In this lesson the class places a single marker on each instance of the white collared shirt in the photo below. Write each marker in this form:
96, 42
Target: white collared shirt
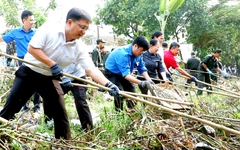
52, 40
74, 69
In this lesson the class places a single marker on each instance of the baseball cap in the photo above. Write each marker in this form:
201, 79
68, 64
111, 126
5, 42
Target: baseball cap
193, 53
100, 40
217, 51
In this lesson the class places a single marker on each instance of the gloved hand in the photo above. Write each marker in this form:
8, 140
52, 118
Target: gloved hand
151, 82
143, 84
209, 72
193, 79
177, 72
114, 89
168, 75
56, 71
225, 74
67, 82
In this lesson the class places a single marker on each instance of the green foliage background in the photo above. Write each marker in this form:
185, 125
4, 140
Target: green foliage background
207, 27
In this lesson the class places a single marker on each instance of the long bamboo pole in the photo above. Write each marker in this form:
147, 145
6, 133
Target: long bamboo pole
142, 95
146, 102
215, 74
209, 85
188, 86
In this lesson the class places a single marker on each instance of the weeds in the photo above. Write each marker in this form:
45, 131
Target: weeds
145, 128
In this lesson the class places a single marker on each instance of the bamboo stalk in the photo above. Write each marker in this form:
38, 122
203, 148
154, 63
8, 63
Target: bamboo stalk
188, 86
215, 74
160, 98
215, 92
183, 114
209, 85
142, 95
4, 95
6, 74
146, 102
2, 120
83, 85
215, 117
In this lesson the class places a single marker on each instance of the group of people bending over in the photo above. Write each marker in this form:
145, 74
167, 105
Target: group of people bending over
206, 69
57, 47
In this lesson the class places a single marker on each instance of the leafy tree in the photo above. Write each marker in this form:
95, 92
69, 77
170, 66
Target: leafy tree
132, 17
227, 29
10, 10
122, 15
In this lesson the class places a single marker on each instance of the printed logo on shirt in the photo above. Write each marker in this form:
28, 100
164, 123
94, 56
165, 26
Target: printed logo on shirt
137, 63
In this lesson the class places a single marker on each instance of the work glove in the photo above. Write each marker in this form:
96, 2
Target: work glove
56, 71
177, 72
151, 82
114, 90
193, 79
67, 82
143, 84
169, 76
209, 72
224, 74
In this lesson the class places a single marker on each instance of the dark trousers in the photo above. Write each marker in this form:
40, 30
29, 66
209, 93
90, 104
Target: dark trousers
205, 77
9, 60
83, 110
25, 84
36, 100
123, 85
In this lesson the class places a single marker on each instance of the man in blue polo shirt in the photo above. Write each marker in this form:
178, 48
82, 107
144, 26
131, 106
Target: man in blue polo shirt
22, 37
120, 64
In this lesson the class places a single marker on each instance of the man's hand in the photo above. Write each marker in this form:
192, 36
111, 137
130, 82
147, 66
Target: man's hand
169, 76
177, 72
114, 89
209, 72
56, 71
193, 79
143, 84
151, 82
67, 82
225, 74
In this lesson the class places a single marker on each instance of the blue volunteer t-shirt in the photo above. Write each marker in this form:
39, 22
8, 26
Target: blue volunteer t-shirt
121, 61
22, 39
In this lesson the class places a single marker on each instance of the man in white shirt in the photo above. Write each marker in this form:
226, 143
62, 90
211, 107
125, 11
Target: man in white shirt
54, 46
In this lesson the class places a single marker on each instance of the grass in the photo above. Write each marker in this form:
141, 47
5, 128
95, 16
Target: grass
147, 128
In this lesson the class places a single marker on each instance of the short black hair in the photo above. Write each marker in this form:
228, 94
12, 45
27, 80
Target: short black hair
156, 34
25, 14
153, 42
141, 41
193, 53
173, 45
77, 14
164, 44
217, 51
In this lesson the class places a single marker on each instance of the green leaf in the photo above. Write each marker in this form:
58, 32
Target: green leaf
173, 5
163, 6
